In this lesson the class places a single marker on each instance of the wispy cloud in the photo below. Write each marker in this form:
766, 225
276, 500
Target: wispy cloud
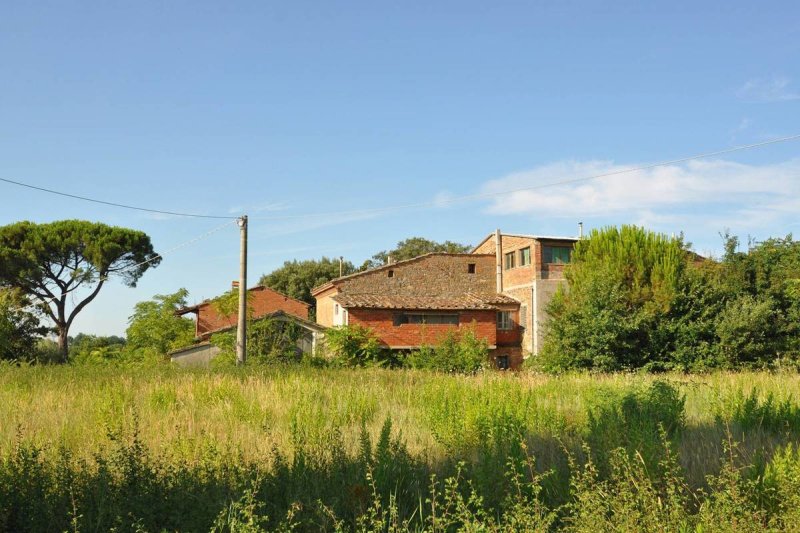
776, 89
716, 193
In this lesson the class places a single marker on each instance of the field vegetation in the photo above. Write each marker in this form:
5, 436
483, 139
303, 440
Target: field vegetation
88, 448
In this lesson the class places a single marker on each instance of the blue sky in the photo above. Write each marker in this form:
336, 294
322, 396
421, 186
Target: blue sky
280, 109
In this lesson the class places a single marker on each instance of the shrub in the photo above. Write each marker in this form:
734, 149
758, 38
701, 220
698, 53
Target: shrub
635, 421
746, 331
460, 352
269, 341
356, 346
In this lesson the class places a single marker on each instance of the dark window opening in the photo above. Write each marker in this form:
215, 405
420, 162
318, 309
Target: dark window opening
504, 321
556, 254
391, 273
425, 318
510, 260
525, 256
471, 268
503, 362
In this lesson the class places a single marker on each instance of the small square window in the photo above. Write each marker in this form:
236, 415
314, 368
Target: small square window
471, 268
391, 273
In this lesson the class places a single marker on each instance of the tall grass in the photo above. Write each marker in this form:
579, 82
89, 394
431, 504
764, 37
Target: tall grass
91, 449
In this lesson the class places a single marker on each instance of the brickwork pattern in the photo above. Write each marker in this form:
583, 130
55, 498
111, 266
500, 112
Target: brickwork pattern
262, 301
381, 321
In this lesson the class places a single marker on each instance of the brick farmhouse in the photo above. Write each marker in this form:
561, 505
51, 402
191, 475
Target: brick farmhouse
262, 301
500, 290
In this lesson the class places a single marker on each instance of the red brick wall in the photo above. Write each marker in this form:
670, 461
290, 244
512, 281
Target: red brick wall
262, 301
382, 322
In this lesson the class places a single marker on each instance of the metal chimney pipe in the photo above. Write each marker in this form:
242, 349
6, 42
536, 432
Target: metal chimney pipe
580, 230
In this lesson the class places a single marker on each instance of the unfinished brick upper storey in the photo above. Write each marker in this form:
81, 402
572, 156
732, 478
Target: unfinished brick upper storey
530, 268
262, 301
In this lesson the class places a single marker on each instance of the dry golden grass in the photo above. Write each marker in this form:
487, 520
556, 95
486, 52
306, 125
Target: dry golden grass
259, 410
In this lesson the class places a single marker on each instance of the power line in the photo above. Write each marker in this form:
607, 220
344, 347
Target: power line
418, 204
479, 196
113, 204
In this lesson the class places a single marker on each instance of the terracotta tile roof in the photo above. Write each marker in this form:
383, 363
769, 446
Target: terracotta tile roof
381, 301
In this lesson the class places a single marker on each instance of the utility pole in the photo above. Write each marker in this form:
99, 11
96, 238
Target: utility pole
241, 331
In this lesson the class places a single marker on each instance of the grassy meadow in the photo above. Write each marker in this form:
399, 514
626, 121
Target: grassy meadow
94, 449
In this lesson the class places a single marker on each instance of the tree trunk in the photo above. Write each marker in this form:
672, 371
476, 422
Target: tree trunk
63, 343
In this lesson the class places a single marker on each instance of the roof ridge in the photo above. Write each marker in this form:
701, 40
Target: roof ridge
388, 265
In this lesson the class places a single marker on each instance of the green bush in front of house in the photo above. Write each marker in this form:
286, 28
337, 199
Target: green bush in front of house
458, 352
269, 341
356, 346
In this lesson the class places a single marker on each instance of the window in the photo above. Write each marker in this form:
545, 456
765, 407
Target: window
502, 362
510, 256
345, 318
391, 273
525, 256
471, 268
504, 320
335, 309
426, 318
556, 254
523, 316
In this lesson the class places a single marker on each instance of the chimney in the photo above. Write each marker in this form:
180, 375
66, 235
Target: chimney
341, 266
580, 230
389, 260
498, 246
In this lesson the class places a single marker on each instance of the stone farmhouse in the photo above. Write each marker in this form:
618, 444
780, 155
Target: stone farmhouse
500, 290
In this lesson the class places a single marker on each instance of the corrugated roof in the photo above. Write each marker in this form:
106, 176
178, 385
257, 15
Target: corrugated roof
382, 301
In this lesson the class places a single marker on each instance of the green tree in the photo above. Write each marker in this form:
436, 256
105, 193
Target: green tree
19, 327
155, 327
50, 262
96, 349
297, 278
414, 247
623, 284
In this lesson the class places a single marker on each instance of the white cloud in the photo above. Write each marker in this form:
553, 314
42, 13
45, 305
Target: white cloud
717, 193
768, 90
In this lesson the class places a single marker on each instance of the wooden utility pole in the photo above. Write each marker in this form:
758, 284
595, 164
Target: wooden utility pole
241, 331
